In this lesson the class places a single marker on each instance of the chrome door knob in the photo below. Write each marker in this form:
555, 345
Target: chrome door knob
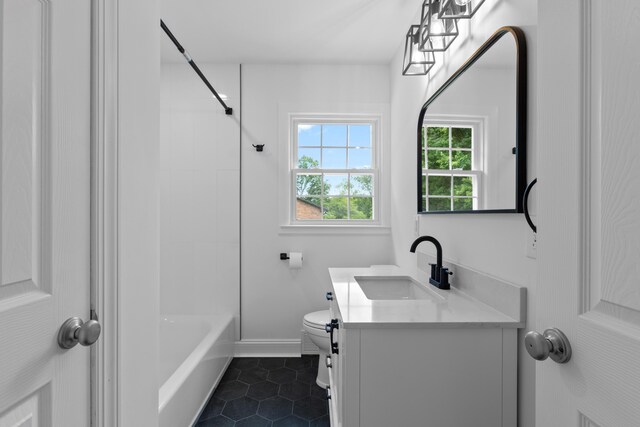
552, 343
74, 331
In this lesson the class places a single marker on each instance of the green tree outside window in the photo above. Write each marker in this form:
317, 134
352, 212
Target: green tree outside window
447, 149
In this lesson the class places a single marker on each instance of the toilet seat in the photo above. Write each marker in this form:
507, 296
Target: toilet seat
317, 319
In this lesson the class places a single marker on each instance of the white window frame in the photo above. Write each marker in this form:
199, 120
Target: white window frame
477, 164
376, 143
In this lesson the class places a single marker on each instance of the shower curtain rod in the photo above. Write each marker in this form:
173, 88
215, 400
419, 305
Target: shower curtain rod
227, 110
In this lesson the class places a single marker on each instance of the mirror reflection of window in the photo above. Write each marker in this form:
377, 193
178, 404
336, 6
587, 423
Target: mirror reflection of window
470, 129
451, 164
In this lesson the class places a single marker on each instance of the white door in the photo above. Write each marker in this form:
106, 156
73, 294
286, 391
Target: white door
44, 268
589, 210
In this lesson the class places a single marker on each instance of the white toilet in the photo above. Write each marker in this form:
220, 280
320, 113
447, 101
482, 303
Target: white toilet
314, 324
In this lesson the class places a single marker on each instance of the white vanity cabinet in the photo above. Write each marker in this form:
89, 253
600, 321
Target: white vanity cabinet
417, 371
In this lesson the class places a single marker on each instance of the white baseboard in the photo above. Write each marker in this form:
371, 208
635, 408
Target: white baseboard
268, 348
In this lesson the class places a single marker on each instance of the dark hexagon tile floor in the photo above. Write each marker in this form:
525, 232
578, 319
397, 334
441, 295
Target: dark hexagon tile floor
268, 392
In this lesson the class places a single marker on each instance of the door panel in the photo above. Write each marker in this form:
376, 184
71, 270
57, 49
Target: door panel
23, 194
44, 216
617, 59
30, 412
589, 195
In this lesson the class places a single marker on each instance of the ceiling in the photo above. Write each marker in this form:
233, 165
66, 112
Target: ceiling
288, 31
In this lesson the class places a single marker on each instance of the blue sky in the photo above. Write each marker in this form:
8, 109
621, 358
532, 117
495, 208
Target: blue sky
336, 146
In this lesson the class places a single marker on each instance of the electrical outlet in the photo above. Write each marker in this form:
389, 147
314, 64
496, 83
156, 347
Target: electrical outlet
532, 244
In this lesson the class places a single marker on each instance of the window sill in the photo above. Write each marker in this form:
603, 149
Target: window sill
341, 230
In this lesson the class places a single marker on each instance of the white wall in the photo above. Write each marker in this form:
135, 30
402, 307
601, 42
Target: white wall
138, 259
274, 299
199, 191
494, 243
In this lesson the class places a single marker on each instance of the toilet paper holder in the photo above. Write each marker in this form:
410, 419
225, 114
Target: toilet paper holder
294, 259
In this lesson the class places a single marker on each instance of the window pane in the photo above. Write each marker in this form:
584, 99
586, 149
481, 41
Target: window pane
361, 208
461, 160
335, 185
438, 159
462, 204
462, 186
359, 158
308, 135
439, 204
424, 192
335, 208
437, 137
326, 152
461, 137
308, 208
308, 184
361, 185
439, 185
308, 158
334, 135
334, 158
423, 151
360, 136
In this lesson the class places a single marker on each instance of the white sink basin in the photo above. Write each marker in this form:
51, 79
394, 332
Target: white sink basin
393, 288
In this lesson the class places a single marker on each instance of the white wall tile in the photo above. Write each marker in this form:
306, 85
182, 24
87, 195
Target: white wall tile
199, 147
228, 193
227, 262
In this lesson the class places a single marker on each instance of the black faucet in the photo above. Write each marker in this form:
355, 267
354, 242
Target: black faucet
439, 274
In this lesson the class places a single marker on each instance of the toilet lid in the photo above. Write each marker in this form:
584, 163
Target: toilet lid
317, 319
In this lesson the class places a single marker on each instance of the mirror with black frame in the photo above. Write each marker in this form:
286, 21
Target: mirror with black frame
472, 133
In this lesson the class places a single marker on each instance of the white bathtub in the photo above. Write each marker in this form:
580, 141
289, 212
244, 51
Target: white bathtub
194, 353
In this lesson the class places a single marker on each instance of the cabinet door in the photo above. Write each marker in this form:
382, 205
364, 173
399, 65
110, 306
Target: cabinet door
349, 376
339, 383
335, 371
450, 377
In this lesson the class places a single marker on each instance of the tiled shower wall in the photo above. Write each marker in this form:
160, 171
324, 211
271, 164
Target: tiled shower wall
199, 192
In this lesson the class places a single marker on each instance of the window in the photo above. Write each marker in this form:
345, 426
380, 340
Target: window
334, 170
451, 166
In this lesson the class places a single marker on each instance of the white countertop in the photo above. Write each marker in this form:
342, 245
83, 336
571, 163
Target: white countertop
447, 309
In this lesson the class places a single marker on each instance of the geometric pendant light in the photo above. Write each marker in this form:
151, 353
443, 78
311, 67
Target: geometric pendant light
439, 31
459, 9
416, 62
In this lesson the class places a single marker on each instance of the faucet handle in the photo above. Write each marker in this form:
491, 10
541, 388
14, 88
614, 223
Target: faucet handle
444, 277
